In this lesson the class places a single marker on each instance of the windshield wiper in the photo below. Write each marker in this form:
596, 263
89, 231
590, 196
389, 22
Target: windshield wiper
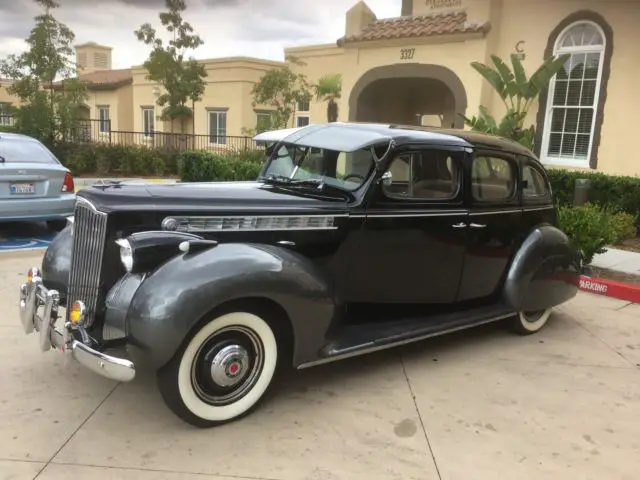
281, 179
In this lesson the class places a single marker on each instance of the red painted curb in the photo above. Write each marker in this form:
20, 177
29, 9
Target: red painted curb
609, 288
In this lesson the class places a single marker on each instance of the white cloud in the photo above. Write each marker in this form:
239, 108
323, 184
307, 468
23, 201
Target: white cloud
228, 27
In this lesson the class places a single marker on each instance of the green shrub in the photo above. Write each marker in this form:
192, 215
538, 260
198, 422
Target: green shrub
624, 226
202, 166
117, 160
611, 192
588, 227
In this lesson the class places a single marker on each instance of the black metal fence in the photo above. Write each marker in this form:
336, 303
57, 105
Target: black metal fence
99, 131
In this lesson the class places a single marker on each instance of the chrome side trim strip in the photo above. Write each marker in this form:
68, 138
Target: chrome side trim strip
375, 348
253, 223
535, 209
495, 212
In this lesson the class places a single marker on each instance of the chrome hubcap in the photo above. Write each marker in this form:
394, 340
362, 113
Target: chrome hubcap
227, 365
230, 365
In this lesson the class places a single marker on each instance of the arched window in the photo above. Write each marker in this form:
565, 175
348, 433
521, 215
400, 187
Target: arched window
572, 101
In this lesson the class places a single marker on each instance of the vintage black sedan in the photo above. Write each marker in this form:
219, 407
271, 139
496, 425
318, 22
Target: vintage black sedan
355, 238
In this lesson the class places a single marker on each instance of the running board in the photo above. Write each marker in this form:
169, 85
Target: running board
362, 339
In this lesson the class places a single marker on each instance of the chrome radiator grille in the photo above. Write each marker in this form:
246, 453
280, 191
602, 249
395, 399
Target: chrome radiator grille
89, 232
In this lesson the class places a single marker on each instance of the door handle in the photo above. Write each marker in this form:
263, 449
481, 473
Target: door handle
477, 225
459, 225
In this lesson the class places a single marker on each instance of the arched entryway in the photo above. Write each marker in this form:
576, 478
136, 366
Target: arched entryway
416, 94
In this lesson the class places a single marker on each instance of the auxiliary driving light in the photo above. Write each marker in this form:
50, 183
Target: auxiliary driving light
77, 313
33, 272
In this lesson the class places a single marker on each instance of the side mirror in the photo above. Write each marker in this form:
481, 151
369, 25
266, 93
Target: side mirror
386, 179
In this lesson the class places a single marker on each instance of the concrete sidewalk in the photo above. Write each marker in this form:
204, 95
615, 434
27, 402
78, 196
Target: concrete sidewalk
619, 261
478, 405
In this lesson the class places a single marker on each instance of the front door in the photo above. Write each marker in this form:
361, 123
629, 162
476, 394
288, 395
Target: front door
495, 220
413, 239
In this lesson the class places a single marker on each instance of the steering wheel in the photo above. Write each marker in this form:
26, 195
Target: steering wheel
356, 175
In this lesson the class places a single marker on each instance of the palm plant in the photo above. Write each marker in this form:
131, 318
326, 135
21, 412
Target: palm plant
517, 92
329, 89
514, 88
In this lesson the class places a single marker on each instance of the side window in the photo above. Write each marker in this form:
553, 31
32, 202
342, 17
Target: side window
427, 174
535, 185
492, 179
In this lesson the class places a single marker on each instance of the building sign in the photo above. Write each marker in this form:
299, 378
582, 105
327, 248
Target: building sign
443, 4
407, 53
519, 53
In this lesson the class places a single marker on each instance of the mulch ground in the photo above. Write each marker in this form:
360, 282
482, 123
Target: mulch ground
621, 277
631, 245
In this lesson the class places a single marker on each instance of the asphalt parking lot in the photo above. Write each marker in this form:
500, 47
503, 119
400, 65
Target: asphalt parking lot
482, 404
16, 236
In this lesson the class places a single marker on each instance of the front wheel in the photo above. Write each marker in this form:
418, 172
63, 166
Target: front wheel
526, 323
222, 372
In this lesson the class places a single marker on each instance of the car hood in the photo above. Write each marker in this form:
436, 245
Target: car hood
210, 196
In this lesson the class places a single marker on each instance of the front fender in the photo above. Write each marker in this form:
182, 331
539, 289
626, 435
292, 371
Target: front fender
182, 291
545, 271
56, 262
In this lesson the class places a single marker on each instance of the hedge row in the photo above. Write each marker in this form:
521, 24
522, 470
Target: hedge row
190, 166
610, 192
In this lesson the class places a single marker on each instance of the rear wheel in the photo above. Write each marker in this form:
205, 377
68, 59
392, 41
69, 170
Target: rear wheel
56, 225
222, 371
526, 323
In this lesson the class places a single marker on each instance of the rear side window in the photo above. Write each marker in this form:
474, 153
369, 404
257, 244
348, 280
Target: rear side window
14, 150
535, 186
492, 179
425, 175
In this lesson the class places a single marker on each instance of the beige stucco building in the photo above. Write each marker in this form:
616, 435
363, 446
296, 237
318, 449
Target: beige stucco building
416, 68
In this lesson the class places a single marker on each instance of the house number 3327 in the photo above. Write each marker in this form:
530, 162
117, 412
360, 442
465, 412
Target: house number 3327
407, 53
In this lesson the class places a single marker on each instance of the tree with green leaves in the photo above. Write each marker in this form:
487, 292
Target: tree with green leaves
282, 89
329, 89
182, 78
43, 78
517, 92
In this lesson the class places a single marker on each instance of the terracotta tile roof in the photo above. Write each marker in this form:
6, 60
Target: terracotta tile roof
106, 79
418, 26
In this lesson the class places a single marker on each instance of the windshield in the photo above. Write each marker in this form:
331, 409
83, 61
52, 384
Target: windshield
24, 151
339, 169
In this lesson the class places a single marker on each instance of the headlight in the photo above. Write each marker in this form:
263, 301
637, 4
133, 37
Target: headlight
126, 254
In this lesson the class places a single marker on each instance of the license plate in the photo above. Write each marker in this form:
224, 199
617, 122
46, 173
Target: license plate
22, 188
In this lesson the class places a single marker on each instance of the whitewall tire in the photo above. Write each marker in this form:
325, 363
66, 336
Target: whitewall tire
222, 371
526, 323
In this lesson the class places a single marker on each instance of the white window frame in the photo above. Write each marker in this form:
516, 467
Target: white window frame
546, 132
148, 111
298, 117
221, 138
103, 123
5, 117
263, 114
303, 113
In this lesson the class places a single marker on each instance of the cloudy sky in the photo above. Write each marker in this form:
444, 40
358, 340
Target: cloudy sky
258, 28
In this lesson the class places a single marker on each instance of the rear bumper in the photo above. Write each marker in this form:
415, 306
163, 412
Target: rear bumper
37, 209
33, 296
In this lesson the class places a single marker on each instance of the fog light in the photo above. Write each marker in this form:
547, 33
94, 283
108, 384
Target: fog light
77, 313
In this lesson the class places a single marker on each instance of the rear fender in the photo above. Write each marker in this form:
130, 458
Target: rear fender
174, 298
545, 271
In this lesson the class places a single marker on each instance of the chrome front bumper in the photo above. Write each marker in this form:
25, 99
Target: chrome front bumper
33, 296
